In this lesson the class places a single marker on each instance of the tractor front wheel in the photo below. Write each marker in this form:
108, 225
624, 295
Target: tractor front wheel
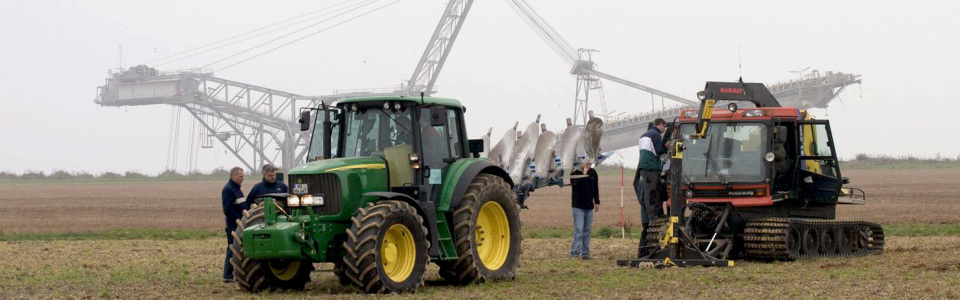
386, 249
487, 233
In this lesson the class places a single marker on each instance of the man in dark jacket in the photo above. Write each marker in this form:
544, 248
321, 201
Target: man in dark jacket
269, 185
648, 176
585, 201
233, 207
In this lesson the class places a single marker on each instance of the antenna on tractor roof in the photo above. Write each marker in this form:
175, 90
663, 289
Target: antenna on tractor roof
739, 63
421, 97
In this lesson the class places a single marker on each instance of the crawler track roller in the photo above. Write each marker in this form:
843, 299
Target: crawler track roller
791, 239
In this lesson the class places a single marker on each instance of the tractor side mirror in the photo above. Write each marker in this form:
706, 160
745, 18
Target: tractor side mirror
304, 120
438, 116
476, 146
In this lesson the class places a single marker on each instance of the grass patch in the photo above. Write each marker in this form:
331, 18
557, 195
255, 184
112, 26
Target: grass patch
902, 162
116, 234
614, 232
898, 165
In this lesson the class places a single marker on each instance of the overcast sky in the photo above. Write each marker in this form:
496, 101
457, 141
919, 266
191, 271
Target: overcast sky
55, 54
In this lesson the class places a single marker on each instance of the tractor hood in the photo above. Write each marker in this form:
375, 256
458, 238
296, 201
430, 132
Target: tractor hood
340, 164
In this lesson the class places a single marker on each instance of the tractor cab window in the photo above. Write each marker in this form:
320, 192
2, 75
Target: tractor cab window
731, 152
317, 139
368, 131
434, 141
454, 129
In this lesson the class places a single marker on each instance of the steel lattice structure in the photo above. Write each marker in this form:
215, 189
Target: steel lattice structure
259, 125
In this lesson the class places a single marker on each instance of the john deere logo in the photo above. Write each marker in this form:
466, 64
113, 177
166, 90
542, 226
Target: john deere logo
299, 180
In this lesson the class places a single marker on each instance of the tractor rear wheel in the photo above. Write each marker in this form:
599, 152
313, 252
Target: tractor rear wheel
258, 275
487, 233
386, 249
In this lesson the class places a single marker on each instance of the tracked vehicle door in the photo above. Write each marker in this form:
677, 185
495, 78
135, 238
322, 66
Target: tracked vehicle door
818, 172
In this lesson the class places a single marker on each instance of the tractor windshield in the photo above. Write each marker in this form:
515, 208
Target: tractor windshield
368, 131
731, 152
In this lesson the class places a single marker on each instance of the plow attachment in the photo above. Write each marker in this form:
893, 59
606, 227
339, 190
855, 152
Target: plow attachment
538, 157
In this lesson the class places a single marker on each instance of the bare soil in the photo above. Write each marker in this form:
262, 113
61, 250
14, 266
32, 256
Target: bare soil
894, 197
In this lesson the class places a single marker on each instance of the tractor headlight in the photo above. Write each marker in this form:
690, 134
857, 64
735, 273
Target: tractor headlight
396, 105
354, 108
702, 95
318, 200
753, 113
306, 200
770, 156
732, 107
386, 105
691, 114
293, 201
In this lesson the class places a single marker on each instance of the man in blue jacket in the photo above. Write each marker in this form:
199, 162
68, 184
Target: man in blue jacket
648, 176
233, 206
269, 185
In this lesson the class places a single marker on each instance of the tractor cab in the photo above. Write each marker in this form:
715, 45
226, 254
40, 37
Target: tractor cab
414, 138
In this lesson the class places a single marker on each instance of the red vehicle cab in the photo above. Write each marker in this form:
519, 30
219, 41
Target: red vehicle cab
737, 162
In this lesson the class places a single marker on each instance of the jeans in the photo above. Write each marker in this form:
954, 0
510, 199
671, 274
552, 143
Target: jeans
227, 267
582, 223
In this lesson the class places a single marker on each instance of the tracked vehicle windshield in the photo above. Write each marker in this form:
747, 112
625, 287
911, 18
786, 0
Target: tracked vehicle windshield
731, 152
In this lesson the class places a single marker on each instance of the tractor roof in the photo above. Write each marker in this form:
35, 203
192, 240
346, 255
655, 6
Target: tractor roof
756, 93
425, 100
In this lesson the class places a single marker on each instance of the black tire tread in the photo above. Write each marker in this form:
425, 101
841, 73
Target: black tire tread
466, 269
360, 265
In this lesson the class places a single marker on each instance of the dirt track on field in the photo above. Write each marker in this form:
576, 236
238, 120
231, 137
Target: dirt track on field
894, 196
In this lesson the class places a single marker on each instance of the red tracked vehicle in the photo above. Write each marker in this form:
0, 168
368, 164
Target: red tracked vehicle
761, 182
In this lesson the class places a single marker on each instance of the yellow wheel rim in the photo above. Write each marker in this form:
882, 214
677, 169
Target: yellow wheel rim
492, 235
398, 253
286, 273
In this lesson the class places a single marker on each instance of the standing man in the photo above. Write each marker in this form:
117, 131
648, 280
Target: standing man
233, 207
585, 201
269, 185
648, 176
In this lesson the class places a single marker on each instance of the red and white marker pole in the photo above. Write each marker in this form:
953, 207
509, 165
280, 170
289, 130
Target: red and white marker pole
623, 231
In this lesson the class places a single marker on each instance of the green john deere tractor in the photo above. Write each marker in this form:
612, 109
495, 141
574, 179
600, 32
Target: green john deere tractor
391, 184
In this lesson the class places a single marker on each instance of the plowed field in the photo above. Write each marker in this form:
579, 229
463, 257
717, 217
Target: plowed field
894, 197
